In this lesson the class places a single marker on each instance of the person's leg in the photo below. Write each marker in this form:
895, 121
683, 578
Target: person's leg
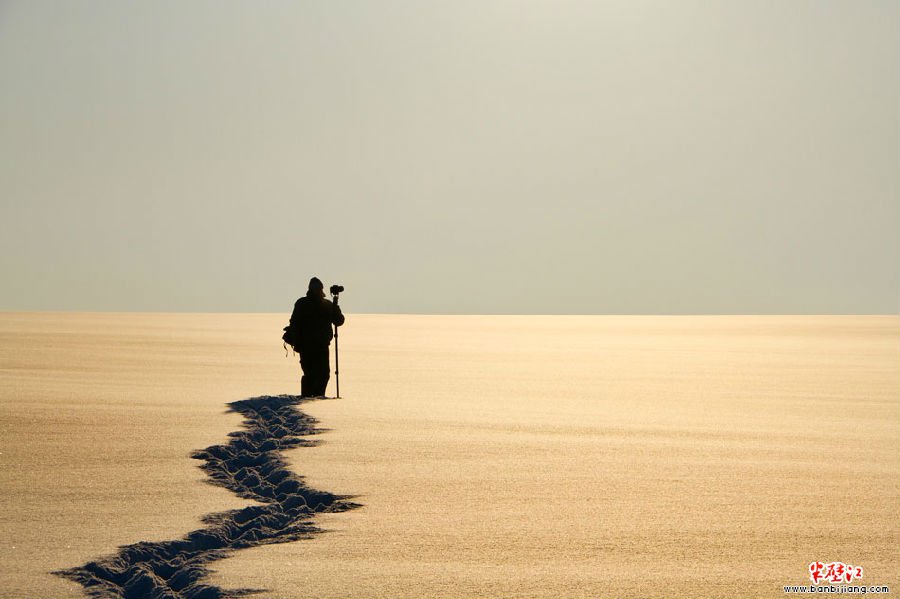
316, 371
306, 380
325, 371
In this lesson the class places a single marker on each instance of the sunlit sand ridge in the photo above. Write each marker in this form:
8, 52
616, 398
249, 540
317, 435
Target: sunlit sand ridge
493, 456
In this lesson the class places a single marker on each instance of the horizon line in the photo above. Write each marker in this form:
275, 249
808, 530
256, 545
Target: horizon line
187, 312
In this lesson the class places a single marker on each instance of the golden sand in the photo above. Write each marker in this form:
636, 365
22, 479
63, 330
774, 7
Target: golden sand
504, 456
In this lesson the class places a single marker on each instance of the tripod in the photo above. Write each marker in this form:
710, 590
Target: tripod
337, 375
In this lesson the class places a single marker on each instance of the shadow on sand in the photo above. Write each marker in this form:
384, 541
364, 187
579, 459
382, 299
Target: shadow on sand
251, 465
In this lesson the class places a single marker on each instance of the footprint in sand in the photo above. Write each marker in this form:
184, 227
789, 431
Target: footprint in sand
251, 465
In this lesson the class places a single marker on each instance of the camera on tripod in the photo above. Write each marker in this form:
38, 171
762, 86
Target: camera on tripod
336, 289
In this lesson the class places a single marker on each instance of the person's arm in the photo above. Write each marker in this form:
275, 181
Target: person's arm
337, 317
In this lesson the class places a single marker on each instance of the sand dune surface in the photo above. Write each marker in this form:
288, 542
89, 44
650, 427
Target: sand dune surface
490, 456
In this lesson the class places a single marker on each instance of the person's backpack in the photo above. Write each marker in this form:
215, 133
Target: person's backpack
288, 340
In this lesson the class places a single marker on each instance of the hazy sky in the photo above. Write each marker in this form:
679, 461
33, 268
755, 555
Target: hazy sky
464, 156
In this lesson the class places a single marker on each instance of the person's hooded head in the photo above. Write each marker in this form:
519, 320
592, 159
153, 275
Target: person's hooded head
316, 288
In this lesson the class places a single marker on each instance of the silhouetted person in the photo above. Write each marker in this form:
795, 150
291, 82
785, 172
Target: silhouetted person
311, 323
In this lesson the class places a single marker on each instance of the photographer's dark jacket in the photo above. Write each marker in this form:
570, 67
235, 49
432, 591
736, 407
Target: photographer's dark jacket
311, 322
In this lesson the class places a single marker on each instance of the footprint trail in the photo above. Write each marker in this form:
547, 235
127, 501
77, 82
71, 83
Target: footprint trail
250, 465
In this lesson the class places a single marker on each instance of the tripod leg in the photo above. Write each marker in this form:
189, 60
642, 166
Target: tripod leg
337, 375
